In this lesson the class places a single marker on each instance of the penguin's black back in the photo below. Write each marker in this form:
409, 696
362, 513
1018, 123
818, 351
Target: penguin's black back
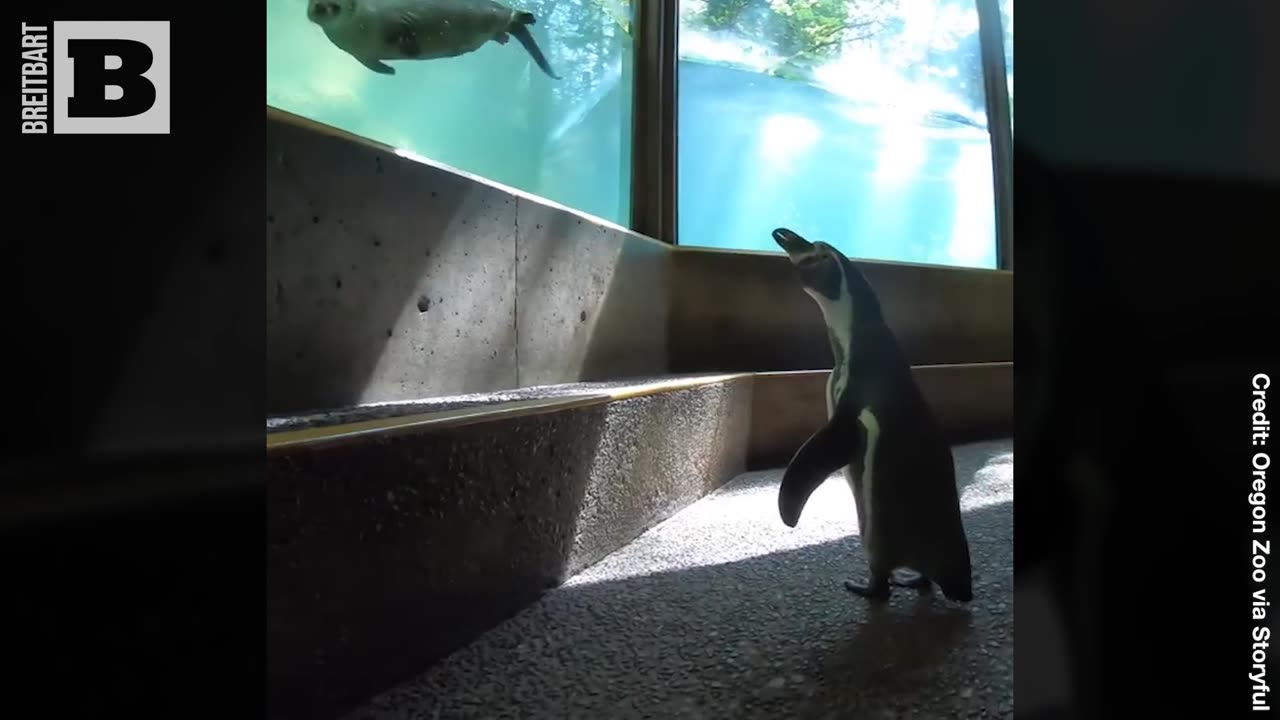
914, 481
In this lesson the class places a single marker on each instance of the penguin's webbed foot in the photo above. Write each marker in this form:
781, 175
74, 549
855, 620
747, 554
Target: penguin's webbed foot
877, 590
911, 581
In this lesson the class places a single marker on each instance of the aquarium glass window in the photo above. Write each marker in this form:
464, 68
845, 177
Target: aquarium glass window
858, 122
491, 112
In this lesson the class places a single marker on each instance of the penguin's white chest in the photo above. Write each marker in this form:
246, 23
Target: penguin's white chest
835, 387
838, 315
839, 318
868, 515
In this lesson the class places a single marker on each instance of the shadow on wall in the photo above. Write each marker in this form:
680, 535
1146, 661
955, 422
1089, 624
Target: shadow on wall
591, 299
771, 636
390, 279
370, 282
629, 338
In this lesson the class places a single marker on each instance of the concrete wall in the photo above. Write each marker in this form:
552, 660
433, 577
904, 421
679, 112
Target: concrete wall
391, 278
972, 403
396, 279
746, 312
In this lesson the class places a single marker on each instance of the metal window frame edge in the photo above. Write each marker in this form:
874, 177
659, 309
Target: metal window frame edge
654, 119
991, 40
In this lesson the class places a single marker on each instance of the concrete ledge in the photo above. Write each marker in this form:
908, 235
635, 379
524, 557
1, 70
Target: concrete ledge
388, 550
396, 537
390, 413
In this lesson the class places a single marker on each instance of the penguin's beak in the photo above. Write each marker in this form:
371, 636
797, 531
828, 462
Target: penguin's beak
791, 242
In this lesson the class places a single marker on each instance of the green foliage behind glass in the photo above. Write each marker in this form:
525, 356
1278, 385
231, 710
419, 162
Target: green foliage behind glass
809, 30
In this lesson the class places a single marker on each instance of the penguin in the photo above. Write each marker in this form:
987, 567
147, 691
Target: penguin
882, 433
372, 31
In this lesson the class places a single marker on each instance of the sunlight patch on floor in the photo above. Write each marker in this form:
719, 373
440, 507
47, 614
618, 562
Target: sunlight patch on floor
740, 521
991, 485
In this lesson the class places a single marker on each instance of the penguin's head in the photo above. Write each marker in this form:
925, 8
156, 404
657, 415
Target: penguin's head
325, 12
819, 264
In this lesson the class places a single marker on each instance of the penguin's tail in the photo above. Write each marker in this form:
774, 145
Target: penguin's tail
958, 589
520, 29
957, 581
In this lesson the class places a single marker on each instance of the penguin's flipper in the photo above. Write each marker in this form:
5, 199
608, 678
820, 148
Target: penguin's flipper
828, 450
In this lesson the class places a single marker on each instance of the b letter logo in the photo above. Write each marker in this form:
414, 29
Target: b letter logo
108, 77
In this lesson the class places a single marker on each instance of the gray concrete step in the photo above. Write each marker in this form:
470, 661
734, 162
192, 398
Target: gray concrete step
398, 533
722, 611
395, 540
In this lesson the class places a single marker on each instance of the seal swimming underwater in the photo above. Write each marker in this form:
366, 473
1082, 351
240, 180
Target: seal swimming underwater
372, 31
882, 433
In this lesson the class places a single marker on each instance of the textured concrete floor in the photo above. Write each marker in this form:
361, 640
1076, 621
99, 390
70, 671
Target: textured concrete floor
724, 612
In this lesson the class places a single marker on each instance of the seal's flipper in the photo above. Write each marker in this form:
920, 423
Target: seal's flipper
526, 39
501, 38
830, 449
377, 66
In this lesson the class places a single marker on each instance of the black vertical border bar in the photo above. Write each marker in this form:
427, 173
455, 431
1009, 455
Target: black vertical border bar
654, 119
133, 554
994, 71
1143, 184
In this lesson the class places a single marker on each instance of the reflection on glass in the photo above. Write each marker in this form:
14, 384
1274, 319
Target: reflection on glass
858, 122
491, 112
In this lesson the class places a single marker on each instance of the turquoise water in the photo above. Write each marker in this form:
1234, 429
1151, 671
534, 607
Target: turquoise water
884, 162
492, 112
914, 190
